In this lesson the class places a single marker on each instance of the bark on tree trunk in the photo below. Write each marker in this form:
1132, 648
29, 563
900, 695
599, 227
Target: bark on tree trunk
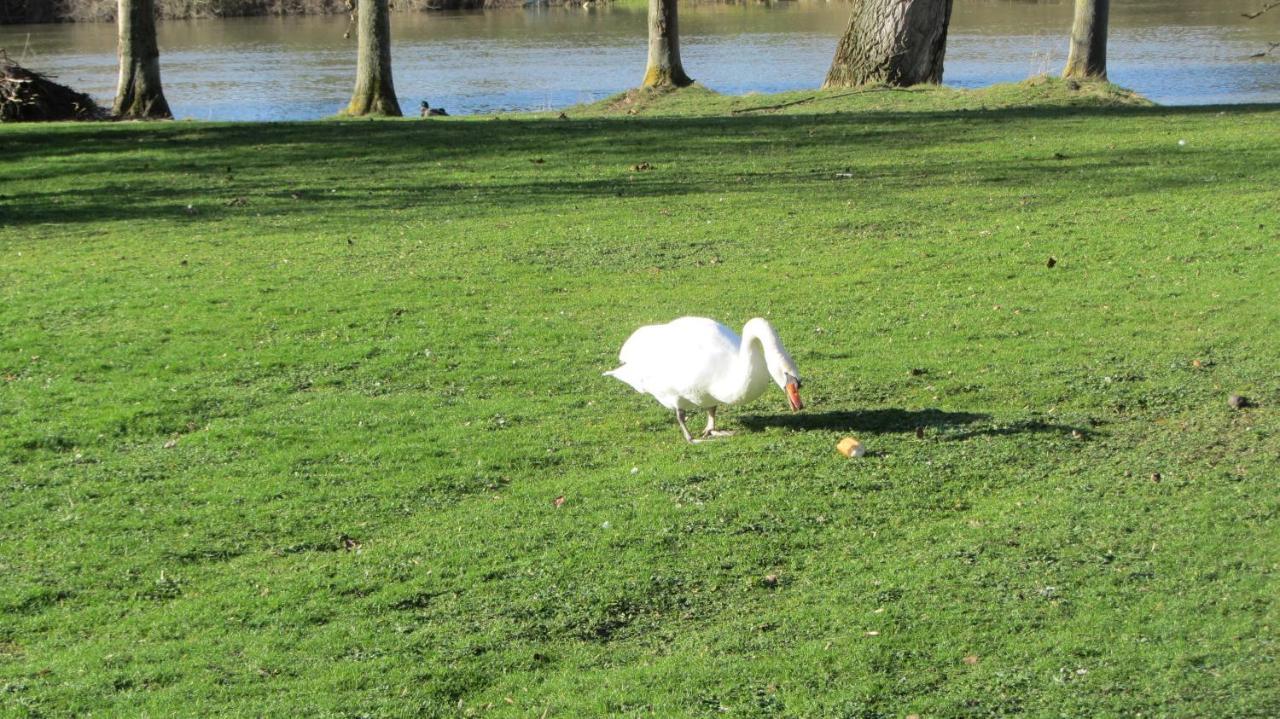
1088, 56
894, 42
374, 94
138, 93
664, 68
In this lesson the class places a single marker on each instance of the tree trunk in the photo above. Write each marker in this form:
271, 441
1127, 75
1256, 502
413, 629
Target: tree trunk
1088, 57
894, 42
374, 93
664, 68
138, 94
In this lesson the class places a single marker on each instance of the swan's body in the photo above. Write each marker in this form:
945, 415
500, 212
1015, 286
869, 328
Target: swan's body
698, 363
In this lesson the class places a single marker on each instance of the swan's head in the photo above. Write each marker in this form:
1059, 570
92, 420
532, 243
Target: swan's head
781, 367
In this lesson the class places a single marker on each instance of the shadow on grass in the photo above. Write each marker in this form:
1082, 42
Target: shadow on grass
870, 420
957, 426
123, 171
1028, 426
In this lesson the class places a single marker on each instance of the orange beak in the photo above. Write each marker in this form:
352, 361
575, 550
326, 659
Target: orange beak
793, 396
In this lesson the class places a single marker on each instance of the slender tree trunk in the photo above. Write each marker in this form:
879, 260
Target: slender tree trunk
1088, 57
664, 68
374, 93
138, 93
894, 42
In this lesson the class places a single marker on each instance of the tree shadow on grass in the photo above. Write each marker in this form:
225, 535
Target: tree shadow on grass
62, 174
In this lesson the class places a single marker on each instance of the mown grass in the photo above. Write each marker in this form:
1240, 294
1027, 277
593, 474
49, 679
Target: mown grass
284, 409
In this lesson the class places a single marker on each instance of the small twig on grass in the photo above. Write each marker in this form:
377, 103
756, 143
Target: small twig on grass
812, 98
1266, 52
1252, 15
773, 107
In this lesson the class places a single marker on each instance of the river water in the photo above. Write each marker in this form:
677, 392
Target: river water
1173, 51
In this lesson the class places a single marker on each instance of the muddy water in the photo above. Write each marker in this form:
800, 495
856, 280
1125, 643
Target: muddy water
1173, 51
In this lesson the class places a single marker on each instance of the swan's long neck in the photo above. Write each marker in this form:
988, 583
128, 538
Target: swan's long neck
749, 376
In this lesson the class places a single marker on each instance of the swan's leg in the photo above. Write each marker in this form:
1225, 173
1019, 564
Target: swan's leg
711, 430
684, 429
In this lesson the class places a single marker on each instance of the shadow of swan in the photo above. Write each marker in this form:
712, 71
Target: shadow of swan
868, 420
960, 424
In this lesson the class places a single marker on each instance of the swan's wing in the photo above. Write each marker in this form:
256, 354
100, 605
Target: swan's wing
688, 341
643, 343
705, 337
634, 356
678, 360
640, 357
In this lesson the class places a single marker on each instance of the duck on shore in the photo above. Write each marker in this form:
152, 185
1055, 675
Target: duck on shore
429, 111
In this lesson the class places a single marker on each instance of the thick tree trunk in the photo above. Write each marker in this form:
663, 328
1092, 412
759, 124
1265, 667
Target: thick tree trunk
138, 93
664, 68
1088, 56
374, 93
894, 42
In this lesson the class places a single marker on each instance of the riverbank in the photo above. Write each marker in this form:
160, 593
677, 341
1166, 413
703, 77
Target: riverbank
307, 419
38, 11
301, 68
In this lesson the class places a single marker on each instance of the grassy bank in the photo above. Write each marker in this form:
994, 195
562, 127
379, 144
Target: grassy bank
285, 410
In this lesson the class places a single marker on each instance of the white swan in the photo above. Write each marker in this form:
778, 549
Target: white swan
698, 363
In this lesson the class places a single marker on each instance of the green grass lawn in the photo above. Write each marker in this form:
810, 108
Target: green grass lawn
284, 410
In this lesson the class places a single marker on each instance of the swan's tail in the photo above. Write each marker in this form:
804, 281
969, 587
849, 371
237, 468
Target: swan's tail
628, 375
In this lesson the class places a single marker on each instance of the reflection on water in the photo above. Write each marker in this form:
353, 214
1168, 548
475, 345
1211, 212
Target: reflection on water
1173, 51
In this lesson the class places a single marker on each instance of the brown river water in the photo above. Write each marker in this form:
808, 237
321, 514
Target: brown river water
1173, 51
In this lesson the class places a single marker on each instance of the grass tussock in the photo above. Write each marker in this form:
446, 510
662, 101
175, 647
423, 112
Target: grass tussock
1042, 91
307, 419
